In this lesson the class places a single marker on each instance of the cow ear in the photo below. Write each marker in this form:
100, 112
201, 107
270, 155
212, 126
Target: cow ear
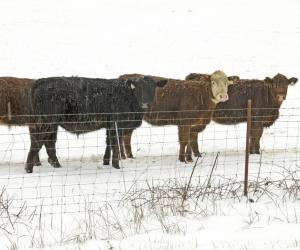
190, 76
233, 79
131, 84
268, 80
293, 80
161, 83
147, 78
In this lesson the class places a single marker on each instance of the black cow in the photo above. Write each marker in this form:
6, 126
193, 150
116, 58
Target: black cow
82, 105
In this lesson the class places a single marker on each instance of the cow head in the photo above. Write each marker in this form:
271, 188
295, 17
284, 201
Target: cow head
278, 86
144, 89
219, 83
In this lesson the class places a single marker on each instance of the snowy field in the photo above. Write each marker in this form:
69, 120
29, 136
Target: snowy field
148, 204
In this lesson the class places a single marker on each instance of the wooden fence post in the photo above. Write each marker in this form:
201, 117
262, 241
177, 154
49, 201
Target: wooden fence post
9, 111
247, 147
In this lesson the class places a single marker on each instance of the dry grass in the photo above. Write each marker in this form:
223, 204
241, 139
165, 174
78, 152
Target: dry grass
161, 204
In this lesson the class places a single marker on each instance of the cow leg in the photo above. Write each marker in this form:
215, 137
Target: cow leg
127, 143
193, 144
122, 146
194, 139
188, 153
50, 141
37, 161
112, 145
183, 134
106, 156
255, 135
192, 147
35, 146
115, 148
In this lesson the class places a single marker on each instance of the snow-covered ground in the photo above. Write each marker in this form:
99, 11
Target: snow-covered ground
86, 205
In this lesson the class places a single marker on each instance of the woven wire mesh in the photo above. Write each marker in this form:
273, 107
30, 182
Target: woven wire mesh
84, 179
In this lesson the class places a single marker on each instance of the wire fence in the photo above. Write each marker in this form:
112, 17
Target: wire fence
84, 181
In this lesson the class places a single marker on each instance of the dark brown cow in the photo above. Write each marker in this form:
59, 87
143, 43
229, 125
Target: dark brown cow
15, 104
267, 97
15, 100
185, 104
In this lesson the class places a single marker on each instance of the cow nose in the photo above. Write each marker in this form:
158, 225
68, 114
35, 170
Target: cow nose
280, 98
222, 97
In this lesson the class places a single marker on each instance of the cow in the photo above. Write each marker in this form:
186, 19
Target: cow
125, 142
15, 103
81, 105
267, 96
184, 103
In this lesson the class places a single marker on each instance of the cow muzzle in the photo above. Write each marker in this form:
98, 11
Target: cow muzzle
222, 97
280, 98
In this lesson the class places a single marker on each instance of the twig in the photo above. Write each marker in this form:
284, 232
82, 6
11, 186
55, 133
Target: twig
256, 186
210, 175
189, 182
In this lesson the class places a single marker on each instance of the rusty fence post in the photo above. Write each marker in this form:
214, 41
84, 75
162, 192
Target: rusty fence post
247, 147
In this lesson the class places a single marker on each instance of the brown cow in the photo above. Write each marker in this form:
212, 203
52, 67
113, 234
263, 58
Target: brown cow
185, 104
267, 97
15, 102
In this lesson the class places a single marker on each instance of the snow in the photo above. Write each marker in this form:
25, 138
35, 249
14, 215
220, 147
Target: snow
80, 204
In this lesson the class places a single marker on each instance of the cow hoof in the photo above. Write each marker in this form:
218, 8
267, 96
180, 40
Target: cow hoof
182, 158
198, 154
123, 157
54, 164
255, 151
189, 160
28, 170
130, 156
116, 166
105, 161
37, 164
